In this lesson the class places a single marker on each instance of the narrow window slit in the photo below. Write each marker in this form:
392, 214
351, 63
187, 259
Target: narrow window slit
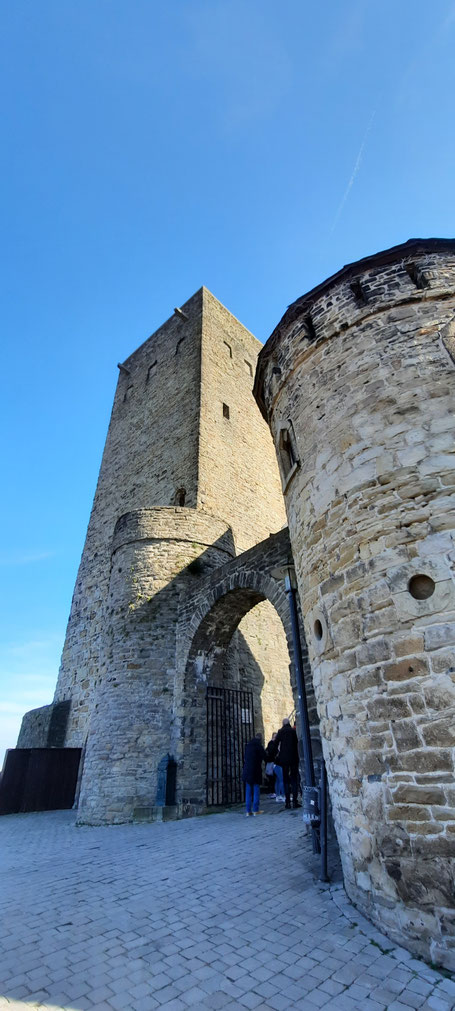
416, 275
287, 450
225, 411
310, 328
359, 292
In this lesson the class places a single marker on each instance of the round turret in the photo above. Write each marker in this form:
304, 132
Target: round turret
357, 384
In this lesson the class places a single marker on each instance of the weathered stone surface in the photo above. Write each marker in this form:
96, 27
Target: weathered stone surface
359, 398
440, 732
370, 402
409, 794
406, 669
169, 445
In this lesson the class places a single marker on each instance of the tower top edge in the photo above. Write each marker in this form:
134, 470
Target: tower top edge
195, 305
314, 304
413, 247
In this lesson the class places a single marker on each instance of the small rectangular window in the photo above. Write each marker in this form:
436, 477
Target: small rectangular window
225, 411
249, 367
287, 450
228, 348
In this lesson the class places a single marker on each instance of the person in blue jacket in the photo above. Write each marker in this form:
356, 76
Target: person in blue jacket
252, 774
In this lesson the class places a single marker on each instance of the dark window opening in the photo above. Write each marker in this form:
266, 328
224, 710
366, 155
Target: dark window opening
180, 496
225, 411
417, 275
310, 328
359, 292
287, 450
228, 348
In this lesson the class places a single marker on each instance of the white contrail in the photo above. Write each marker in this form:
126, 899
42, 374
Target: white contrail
354, 173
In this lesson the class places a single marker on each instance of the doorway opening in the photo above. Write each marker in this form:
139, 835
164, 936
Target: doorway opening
239, 681
230, 725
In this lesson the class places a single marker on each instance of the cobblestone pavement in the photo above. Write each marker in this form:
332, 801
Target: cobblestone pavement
216, 912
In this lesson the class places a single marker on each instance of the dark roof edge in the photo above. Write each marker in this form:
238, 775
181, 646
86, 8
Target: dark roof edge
412, 247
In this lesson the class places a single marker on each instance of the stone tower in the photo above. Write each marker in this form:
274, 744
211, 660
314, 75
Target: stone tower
188, 481
357, 385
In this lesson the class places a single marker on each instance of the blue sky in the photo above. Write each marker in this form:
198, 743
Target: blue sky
148, 148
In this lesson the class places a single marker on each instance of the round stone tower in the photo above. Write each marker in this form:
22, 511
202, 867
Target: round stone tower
157, 556
357, 385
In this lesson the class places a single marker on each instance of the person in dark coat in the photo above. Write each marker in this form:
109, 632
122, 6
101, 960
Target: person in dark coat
271, 751
273, 758
286, 738
252, 774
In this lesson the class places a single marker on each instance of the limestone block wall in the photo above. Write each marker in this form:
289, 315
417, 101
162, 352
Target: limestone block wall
35, 728
170, 444
263, 661
238, 473
150, 457
358, 379
45, 727
158, 558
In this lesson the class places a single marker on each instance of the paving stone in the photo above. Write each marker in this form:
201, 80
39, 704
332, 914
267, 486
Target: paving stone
412, 999
265, 990
448, 986
331, 987
278, 1002
397, 1005
437, 1004
250, 1000
317, 998
420, 986
148, 929
216, 1000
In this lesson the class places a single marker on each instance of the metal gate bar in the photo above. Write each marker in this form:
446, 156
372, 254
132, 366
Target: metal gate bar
230, 725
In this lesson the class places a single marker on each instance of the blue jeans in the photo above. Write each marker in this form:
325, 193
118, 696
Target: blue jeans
252, 791
279, 785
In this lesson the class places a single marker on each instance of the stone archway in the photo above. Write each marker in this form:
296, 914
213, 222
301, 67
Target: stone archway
216, 613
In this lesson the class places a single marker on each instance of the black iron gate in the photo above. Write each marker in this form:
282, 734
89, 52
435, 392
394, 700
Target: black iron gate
230, 725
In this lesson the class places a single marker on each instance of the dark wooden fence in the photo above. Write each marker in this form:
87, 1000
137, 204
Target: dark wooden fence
38, 779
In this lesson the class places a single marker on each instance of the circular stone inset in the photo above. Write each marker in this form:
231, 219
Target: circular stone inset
421, 587
318, 630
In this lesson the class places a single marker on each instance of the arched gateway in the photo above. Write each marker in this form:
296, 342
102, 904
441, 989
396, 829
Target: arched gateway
218, 710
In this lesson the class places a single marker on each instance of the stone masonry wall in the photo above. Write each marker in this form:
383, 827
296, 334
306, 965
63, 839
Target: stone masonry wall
150, 453
167, 438
263, 660
357, 371
159, 556
35, 728
239, 479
